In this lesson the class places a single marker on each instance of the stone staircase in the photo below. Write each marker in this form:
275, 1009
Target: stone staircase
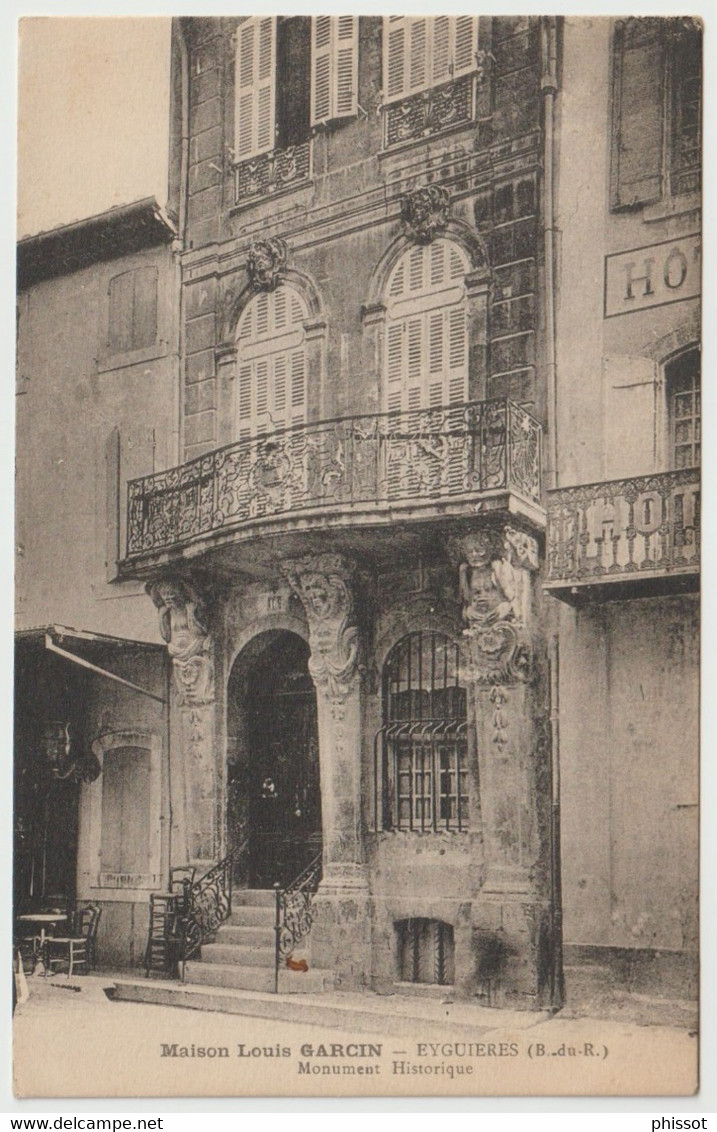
242, 956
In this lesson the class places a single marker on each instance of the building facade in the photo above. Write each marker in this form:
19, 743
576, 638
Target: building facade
384, 590
624, 522
96, 371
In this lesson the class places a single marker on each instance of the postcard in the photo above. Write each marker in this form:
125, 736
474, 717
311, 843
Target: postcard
358, 551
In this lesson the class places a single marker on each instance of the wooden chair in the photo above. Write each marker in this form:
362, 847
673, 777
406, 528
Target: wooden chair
78, 950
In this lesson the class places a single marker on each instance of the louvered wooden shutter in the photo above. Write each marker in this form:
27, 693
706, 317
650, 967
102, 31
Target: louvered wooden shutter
427, 348
420, 52
464, 44
638, 97
395, 57
334, 65
255, 87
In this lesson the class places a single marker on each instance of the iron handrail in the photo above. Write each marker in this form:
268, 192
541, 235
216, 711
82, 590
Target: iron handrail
209, 904
293, 912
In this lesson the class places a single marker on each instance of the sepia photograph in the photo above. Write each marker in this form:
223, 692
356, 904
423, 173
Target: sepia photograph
357, 552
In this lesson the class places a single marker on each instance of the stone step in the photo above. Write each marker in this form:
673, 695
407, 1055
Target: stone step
251, 915
233, 953
353, 1012
247, 936
263, 897
238, 977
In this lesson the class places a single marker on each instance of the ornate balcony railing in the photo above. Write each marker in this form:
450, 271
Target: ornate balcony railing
272, 173
391, 459
431, 111
624, 530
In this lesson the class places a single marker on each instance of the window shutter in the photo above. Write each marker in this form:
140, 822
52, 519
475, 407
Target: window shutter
321, 69
255, 87
334, 61
395, 61
418, 53
298, 387
441, 65
637, 113
465, 45
346, 66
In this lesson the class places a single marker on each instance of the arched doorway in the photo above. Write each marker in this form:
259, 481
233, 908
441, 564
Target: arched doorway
273, 759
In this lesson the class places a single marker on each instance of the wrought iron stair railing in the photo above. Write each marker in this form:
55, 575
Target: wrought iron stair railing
209, 904
294, 913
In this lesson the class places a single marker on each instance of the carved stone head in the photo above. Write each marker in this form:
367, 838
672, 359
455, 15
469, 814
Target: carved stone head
425, 212
266, 262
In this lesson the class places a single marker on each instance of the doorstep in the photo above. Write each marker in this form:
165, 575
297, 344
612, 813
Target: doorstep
392, 1014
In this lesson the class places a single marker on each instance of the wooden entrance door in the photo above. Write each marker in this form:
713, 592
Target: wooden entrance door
283, 784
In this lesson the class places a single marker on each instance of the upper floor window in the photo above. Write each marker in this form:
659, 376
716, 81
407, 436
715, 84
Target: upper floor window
423, 51
132, 311
656, 110
682, 377
291, 74
426, 360
271, 387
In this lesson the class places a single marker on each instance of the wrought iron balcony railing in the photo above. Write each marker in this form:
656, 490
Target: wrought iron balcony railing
405, 459
623, 530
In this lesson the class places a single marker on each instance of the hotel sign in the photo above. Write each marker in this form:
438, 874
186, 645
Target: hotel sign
652, 276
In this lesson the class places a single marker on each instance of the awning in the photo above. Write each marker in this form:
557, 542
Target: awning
85, 648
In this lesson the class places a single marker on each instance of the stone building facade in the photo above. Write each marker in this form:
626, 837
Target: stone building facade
359, 554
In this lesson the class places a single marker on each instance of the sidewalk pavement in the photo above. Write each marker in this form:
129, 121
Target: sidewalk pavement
72, 1040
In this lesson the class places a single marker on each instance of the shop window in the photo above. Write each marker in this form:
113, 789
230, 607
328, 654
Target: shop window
420, 752
656, 110
682, 381
132, 311
271, 385
426, 352
426, 952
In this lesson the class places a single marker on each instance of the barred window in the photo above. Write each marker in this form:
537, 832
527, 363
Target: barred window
420, 752
426, 952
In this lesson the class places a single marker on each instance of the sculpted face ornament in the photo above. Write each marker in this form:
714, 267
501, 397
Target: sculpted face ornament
425, 212
182, 623
322, 584
266, 263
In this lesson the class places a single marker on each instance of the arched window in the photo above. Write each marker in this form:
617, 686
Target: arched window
426, 358
420, 753
682, 385
271, 389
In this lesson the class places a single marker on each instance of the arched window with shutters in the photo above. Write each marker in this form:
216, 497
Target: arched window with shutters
271, 363
426, 358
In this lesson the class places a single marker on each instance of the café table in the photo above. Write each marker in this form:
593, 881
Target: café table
47, 923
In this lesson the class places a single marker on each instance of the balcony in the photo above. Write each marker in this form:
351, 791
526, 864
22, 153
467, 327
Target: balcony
624, 538
364, 471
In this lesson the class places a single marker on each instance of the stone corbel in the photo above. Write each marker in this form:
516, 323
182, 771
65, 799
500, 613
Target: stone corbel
494, 568
324, 585
183, 625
